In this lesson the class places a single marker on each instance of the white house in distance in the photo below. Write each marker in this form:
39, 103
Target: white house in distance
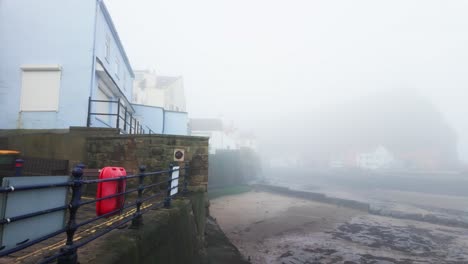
60, 61
161, 91
161, 96
214, 129
221, 137
380, 158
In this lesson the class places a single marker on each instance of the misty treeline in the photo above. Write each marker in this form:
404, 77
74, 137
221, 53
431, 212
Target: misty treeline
402, 120
233, 167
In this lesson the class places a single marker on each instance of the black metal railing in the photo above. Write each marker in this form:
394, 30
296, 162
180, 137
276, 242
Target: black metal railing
68, 253
123, 118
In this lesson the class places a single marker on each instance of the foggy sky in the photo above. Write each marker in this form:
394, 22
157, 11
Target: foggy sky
258, 62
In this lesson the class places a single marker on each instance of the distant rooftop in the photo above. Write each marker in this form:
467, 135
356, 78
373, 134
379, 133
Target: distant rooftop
206, 124
164, 81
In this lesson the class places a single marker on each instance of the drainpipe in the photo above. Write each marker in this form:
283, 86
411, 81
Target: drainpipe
93, 61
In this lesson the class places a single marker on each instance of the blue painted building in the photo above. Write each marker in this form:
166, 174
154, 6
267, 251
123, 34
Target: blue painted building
55, 56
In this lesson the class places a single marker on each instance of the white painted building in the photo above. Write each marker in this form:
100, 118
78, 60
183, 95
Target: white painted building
380, 158
214, 129
161, 91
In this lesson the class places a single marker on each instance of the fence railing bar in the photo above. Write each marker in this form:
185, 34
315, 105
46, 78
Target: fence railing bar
68, 253
89, 221
104, 114
104, 101
154, 184
131, 176
33, 187
108, 197
115, 211
88, 240
151, 197
32, 242
38, 213
109, 180
81, 243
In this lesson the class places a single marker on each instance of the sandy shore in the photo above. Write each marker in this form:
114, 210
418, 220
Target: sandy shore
271, 228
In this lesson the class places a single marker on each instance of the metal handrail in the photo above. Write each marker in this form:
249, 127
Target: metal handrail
68, 254
131, 125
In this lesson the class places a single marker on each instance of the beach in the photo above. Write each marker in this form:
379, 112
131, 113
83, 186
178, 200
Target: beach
271, 228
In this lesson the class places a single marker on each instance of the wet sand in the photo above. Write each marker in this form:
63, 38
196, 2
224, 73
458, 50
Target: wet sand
271, 228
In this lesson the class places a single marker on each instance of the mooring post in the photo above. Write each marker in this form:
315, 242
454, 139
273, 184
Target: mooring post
137, 221
167, 201
70, 256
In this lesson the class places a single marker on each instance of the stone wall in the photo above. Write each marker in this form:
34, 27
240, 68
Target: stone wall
168, 236
63, 144
156, 152
99, 147
319, 197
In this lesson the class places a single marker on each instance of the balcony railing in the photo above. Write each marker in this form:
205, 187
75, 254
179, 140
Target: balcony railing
121, 118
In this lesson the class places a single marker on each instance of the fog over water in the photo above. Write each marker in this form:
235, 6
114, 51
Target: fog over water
300, 69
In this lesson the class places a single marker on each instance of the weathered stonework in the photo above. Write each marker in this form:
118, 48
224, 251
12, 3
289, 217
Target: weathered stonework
99, 147
154, 151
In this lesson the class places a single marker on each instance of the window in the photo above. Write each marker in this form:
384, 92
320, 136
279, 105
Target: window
107, 47
124, 81
117, 67
40, 86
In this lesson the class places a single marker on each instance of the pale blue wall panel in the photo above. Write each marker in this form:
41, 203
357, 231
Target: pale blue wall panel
46, 32
150, 116
175, 123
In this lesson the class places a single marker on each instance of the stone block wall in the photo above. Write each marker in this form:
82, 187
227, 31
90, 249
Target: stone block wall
61, 144
156, 152
99, 147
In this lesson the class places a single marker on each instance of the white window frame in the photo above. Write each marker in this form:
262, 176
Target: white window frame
124, 81
107, 48
29, 93
117, 67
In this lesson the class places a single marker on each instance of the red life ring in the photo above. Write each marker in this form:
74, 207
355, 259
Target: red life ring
109, 188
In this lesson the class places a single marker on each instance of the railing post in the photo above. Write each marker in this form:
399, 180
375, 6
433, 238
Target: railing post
125, 119
131, 121
186, 178
118, 114
88, 121
138, 219
19, 167
167, 200
135, 126
70, 256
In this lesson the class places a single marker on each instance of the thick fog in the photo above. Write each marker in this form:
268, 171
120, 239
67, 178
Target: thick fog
311, 78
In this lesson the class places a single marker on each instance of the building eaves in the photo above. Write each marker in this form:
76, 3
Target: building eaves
164, 81
206, 124
108, 18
